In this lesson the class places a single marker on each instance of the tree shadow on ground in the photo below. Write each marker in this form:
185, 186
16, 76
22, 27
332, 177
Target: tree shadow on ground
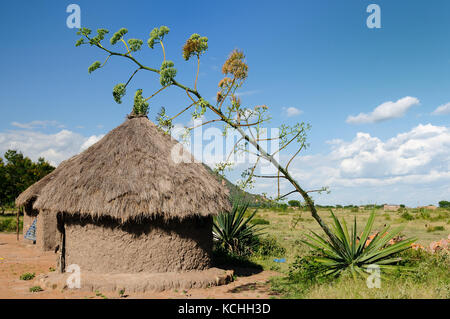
241, 266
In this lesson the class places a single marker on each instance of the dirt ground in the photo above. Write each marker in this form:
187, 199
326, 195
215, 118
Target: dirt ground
17, 258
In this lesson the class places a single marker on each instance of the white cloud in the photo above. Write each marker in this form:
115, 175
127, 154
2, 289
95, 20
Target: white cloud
53, 147
91, 141
385, 111
411, 168
292, 111
37, 124
443, 109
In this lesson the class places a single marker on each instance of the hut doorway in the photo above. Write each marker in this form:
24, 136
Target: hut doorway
61, 245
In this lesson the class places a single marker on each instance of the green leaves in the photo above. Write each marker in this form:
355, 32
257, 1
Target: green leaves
17, 173
84, 31
118, 35
118, 92
195, 45
135, 44
80, 42
94, 66
92, 41
157, 35
297, 131
200, 109
167, 73
99, 37
347, 252
234, 233
140, 106
164, 122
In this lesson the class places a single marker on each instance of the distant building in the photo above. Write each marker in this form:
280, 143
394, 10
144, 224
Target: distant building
391, 207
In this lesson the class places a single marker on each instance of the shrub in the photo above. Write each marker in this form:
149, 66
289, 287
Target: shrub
294, 203
9, 224
407, 216
435, 228
305, 270
27, 276
345, 252
233, 233
36, 289
259, 221
269, 246
354, 209
424, 214
425, 264
304, 274
444, 204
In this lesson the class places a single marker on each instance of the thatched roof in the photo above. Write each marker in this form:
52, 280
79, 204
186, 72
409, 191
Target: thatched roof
129, 174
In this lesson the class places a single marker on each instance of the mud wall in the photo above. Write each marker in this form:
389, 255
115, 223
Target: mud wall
46, 234
104, 246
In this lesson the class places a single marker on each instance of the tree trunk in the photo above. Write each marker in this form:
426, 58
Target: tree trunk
18, 219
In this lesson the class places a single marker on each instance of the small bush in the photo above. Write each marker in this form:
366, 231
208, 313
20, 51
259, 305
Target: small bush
435, 228
303, 275
294, 203
259, 221
354, 209
305, 270
424, 214
444, 204
425, 264
442, 215
407, 216
36, 289
9, 224
269, 246
27, 276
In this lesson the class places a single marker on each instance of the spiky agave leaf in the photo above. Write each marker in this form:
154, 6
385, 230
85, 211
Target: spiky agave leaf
345, 253
232, 230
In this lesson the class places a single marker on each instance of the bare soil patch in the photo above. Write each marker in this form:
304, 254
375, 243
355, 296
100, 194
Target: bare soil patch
17, 258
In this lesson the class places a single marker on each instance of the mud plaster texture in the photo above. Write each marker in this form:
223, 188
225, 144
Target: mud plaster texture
46, 231
137, 283
152, 246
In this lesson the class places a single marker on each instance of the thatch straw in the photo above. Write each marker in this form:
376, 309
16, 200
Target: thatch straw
129, 174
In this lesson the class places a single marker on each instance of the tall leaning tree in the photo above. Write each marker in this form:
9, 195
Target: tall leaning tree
226, 109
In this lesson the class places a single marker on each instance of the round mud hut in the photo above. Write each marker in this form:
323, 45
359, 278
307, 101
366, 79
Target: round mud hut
127, 204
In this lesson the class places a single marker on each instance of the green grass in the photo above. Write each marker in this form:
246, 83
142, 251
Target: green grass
8, 223
27, 276
434, 284
36, 289
435, 228
259, 221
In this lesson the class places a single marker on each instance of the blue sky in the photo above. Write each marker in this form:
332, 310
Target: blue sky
318, 57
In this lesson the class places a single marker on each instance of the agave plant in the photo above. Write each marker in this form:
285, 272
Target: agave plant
233, 232
347, 252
